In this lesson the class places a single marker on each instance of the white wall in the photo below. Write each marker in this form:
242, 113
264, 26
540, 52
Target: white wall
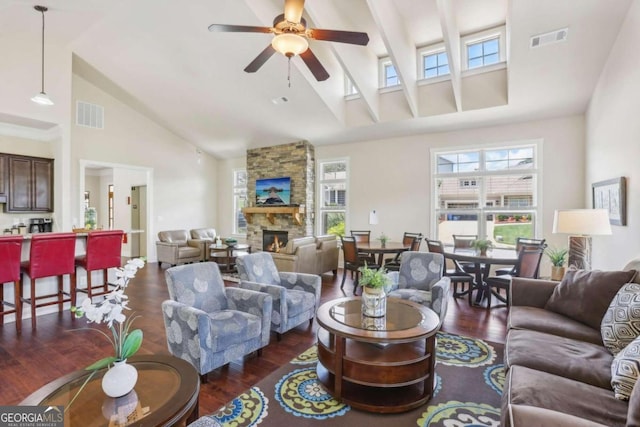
613, 141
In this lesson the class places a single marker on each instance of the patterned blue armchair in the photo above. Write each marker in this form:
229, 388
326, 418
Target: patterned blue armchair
420, 280
209, 325
296, 296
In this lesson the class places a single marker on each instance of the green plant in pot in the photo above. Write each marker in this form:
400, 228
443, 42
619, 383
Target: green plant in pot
482, 245
558, 257
383, 240
374, 297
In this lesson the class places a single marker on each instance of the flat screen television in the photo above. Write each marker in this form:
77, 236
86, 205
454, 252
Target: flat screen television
273, 191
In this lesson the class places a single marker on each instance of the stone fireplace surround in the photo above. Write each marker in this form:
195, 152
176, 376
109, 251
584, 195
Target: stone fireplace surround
295, 160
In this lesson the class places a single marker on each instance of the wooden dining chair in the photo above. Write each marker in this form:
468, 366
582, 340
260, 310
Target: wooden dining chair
521, 242
456, 274
465, 242
352, 262
527, 265
364, 236
408, 239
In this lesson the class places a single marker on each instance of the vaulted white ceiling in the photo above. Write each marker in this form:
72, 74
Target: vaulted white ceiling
160, 53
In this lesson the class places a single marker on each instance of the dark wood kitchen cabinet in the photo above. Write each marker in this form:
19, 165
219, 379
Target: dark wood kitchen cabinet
30, 184
3, 178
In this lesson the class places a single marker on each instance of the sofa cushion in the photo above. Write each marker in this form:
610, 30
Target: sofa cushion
576, 360
625, 370
299, 302
294, 244
633, 415
231, 327
544, 390
585, 295
541, 320
621, 322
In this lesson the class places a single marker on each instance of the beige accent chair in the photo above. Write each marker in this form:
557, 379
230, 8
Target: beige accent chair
299, 256
327, 254
206, 237
175, 247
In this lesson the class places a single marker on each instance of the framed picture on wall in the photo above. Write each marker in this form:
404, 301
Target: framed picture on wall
612, 196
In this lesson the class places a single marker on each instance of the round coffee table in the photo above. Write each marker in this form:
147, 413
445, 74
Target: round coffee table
166, 394
383, 365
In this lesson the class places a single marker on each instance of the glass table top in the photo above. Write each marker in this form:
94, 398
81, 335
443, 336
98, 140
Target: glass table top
399, 316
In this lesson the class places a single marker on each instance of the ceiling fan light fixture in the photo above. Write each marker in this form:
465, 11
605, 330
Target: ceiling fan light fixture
289, 44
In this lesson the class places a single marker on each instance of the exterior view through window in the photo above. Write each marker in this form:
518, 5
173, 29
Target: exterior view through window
239, 201
332, 188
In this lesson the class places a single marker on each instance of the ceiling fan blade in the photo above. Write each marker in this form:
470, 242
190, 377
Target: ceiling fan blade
293, 10
314, 65
223, 28
351, 37
260, 59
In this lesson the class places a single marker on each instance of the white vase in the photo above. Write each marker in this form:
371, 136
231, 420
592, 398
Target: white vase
374, 302
119, 379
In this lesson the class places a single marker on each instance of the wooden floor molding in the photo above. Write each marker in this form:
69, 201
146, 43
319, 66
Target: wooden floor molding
60, 345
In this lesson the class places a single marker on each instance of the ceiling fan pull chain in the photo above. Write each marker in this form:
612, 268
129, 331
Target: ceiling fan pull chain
289, 70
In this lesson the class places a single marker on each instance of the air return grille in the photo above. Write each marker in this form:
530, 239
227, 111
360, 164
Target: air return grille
89, 115
549, 38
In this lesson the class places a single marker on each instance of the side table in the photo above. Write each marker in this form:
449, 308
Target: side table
225, 255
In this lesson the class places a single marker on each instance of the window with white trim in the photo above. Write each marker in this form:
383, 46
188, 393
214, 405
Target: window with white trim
349, 88
239, 201
484, 49
388, 74
490, 192
332, 190
435, 65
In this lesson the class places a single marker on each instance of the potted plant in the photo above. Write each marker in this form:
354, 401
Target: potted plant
374, 297
482, 245
383, 240
557, 256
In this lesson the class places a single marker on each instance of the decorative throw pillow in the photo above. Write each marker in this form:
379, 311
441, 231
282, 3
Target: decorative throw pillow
621, 323
625, 370
584, 296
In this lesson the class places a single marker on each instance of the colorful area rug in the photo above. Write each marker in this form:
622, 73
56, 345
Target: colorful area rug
469, 381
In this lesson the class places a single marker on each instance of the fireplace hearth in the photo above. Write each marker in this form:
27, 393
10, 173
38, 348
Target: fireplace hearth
274, 240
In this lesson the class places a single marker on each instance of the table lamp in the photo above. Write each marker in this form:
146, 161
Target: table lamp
581, 224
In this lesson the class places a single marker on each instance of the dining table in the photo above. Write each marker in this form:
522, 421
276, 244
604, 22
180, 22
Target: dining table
482, 266
382, 250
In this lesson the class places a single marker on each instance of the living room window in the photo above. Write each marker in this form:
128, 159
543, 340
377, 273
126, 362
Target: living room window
239, 201
388, 74
332, 190
489, 192
484, 49
435, 64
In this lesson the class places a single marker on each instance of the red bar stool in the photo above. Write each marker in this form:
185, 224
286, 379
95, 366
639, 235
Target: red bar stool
103, 252
10, 251
51, 254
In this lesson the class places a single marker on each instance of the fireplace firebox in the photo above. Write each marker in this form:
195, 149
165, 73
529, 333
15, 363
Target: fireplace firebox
274, 240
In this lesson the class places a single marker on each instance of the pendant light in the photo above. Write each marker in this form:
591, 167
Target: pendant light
42, 98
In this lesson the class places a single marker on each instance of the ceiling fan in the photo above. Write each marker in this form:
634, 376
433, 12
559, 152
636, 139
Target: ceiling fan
290, 38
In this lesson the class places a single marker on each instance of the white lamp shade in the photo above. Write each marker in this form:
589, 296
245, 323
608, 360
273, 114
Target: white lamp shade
289, 44
585, 222
42, 99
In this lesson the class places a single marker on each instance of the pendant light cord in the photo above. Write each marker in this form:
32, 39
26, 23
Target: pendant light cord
42, 80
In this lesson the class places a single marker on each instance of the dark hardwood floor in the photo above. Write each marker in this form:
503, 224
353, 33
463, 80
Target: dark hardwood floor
59, 345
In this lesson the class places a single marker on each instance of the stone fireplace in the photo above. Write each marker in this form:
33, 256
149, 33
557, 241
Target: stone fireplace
297, 161
274, 240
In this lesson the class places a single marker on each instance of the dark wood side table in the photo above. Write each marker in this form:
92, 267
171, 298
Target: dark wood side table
225, 255
384, 365
166, 394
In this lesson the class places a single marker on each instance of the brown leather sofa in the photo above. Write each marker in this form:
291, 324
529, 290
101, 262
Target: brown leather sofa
558, 371
176, 247
314, 255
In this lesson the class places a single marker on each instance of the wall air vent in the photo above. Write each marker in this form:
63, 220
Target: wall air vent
89, 115
549, 38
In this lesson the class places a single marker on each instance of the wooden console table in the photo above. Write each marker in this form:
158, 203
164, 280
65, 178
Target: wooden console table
296, 212
384, 364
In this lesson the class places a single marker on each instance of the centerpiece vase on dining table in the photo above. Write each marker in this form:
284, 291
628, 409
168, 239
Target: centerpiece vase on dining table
119, 379
374, 302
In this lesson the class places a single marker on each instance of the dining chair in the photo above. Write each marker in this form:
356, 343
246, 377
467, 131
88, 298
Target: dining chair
10, 252
527, 266
456, 274
364, 236
408, 239
465, 242
352, 261
520, 243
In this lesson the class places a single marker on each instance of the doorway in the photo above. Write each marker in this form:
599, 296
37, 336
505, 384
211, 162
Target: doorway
138, 221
